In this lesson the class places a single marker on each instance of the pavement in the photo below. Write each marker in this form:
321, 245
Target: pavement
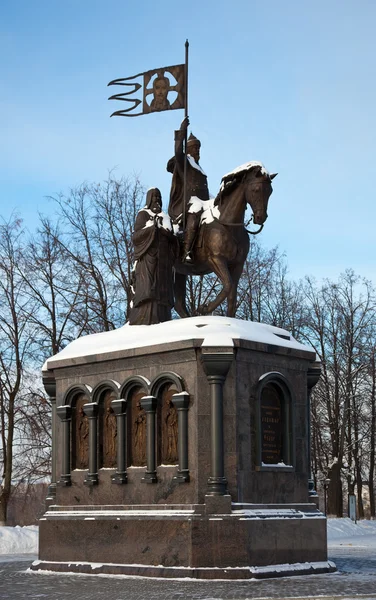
355, 579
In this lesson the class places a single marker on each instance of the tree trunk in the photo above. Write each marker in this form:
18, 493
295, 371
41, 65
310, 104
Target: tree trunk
359, 487
4, 499
335, 499
372, 440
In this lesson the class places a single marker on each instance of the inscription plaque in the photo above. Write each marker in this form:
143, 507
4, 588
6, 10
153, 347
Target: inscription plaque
271, 426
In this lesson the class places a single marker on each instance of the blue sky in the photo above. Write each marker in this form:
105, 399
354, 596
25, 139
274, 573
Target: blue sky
291, 84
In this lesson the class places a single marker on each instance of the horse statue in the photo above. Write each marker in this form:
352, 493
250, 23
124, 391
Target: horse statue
222, 243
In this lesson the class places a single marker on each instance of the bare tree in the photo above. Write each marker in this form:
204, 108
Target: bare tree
115, 207
98, 222
372, 437
339, 317
16, 339
55, 290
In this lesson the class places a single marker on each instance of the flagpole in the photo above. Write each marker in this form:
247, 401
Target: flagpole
186, 134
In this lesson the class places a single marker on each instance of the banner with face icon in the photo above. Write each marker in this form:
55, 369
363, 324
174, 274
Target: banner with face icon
153, 91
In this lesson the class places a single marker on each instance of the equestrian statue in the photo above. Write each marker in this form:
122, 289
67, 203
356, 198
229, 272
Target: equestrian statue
215, 238
199, 235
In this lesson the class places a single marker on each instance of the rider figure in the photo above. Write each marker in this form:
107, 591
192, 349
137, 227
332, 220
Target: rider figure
196, 182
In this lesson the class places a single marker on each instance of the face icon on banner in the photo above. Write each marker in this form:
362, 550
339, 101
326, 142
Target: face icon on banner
161, 87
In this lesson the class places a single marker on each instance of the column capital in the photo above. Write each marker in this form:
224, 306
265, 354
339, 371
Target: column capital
217, 364
149, 403
313, 374
64, 412
49, 384
91, 410
119, 406
181, 400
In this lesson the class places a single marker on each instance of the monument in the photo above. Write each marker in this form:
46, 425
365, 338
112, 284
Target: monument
180, 447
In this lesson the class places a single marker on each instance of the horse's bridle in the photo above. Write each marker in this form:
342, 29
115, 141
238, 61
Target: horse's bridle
241, 224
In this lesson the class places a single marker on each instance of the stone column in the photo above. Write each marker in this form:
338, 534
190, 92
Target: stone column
216, 366
49, 384
313, 375
149, 404
65, 414
181, 403
120, 409
91, 411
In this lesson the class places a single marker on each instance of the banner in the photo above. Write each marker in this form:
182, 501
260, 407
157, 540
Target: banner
153, 91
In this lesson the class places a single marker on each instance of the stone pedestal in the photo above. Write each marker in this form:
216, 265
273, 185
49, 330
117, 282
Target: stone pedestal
219, 505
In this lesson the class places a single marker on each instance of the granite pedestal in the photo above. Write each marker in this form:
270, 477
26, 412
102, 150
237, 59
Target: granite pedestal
225, 509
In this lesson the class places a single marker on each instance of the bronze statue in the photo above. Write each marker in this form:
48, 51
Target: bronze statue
196, 187
222, 243
215, 237
154, 252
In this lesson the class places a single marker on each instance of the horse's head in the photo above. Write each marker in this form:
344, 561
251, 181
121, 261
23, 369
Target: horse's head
258, 187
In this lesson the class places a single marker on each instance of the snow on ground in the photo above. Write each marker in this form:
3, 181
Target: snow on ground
344, 532
19, 540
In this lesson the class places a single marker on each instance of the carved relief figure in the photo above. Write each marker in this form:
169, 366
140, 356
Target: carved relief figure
169, 429
81, 458
110, 434
138, 434
154, 252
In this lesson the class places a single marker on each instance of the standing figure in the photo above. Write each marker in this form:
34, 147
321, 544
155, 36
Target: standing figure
82, 440
110, 436
139, 437
197, 187
154, 251
171, 421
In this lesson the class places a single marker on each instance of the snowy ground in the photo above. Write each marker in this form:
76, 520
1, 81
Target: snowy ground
18, 540
344, 531
341, 532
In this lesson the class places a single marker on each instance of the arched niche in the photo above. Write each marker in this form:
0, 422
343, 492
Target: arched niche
136, 419
169, 377
163, 387
79, 431
275, 431
132, 390
103, 394
167, 426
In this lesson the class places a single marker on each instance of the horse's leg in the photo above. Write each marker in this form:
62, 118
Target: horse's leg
235, 273
220, 268
179, 290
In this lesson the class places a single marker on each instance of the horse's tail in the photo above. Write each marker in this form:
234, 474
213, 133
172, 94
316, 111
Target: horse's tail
218, 199
171, 165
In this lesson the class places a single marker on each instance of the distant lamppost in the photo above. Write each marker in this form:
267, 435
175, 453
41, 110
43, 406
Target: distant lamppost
326, 486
